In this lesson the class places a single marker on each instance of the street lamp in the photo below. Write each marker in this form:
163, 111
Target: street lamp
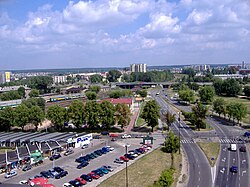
179, 120
126, 175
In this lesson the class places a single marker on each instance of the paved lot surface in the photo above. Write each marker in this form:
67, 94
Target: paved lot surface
69, 164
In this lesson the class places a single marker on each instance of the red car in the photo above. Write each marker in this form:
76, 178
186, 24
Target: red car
38, 181
93, 175
125, 159
47, 185
82, 181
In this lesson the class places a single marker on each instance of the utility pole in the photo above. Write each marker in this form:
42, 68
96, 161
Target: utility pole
126, 150
179, 119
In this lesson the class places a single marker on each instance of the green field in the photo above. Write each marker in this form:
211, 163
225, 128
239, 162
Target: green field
141, 173
140, 122
239, 100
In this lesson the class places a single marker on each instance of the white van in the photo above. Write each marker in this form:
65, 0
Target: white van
233, 147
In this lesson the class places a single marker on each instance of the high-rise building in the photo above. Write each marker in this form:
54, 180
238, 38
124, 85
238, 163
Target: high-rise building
138, 68
2, 77
7, 76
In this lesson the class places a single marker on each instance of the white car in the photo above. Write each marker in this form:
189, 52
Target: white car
110, 148
85, 146
23, 182
126, 136
67, 185
10, 174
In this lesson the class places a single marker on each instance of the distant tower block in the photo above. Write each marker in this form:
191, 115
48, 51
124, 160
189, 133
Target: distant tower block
243, 65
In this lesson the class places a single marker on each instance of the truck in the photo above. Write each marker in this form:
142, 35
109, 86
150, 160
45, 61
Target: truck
233, 147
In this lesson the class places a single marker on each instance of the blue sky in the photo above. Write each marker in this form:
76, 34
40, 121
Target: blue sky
111, 33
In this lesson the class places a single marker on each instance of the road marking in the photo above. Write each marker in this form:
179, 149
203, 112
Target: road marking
244, 172
199, 179
223, 160
243, 161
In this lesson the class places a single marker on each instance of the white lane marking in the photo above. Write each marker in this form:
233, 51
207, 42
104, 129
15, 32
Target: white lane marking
244, 172
243, 161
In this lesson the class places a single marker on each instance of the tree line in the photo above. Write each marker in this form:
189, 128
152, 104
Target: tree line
94, 115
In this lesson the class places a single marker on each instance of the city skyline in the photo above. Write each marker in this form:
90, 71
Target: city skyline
103, 33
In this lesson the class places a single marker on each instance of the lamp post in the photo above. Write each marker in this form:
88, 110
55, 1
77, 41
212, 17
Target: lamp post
126, 175
179, 120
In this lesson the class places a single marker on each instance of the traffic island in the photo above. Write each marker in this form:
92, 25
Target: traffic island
211, 150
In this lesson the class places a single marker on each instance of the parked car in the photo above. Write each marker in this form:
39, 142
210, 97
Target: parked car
98, 152
110, 148
67, 185
130, 156
27, 167
82, 165
81, 180
85, 146
103, 170
243, 149
10, 174
98, 172
119, 161
23, 182
113, 135
86, 177
75, 183
106, 149
125, 159
38, 181
55, 156
105, 133
46, 174
93, 175
96, 137
82, 159
58, 169
61, 174
234, 169
68, 152
109, 168
126, 136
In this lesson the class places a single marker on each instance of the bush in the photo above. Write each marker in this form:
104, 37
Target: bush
166, 179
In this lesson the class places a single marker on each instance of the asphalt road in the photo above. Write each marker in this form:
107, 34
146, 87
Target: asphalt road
229, 158
199, 168
69, 164
227, 135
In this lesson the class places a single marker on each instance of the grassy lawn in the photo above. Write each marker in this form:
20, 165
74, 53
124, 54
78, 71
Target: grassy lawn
140, 121
144, 171
239, 100
211, 150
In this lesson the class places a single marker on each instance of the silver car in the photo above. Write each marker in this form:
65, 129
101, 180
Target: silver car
10, 174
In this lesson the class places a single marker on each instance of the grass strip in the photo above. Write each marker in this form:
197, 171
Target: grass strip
145, 171
211, 150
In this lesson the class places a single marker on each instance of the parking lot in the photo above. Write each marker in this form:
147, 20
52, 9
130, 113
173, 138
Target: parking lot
68, 162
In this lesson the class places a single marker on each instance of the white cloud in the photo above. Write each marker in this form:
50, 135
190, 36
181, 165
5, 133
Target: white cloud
112, 27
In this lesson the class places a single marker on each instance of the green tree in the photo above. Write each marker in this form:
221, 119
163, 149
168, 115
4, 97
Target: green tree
170, 118
240, 111
91, 95
41, 83
57, 115
199, 114
231, 87
7, 117
96, 78
143, 93
186, 95
95, 89
218, 86
75, 113
36, 116
219, 106
207, 94
21, 116
113, 75
35, 102
107, 111
247, 91
21, 91
34, 93
151, 113
122, 114
11, 95
91, 113
172, 144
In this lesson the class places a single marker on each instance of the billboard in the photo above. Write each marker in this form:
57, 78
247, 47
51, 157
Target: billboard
7, 76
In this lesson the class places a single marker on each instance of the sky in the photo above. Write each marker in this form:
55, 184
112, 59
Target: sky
42, 34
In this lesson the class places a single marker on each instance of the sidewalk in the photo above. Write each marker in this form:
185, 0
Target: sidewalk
133, 118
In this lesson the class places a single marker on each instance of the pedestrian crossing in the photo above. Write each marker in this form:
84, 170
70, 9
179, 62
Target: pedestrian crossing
187, 141
230, 141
